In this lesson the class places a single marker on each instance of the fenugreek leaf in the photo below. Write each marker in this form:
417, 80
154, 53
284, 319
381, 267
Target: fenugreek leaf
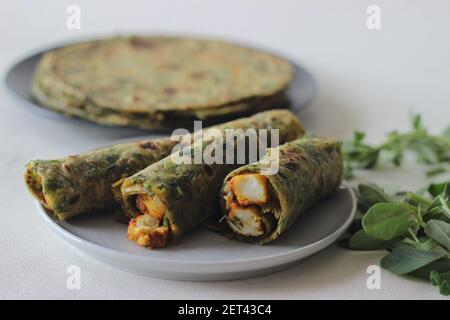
406, 259
362, 241
387, 221
428, 148
442, 281
436, 189
370, 194
439, 231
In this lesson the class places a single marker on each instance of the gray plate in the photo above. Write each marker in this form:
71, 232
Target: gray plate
18, 80
204, 255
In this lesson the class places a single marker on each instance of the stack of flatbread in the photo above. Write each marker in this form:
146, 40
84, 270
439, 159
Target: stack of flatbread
160, 82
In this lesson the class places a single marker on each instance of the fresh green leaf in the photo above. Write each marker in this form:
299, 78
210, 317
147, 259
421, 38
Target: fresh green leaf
417, 200
444, 288
440, 265
441, 203
445, 275
427, 245
426, 153
417, 122
435, 278
436, 171
446, 192
358, 154
439, 206
428, 148
406, 259
442, 281
387, 221
411, 225
362, 241
439, 231
370, 194
436, 189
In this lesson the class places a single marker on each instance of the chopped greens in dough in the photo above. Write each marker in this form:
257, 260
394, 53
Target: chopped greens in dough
179, 197
81, 183
258, 208
160, 81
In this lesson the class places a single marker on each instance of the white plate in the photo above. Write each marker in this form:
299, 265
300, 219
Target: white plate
204, 255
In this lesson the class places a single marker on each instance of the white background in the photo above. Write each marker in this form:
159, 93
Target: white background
367, 79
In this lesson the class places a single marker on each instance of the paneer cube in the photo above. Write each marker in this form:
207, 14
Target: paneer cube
146, 232
245, 220
152, 205
250, 189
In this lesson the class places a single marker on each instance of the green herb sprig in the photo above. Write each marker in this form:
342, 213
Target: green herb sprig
428, 148
414, 228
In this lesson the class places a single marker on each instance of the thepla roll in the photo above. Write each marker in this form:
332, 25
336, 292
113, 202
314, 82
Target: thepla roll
259, 207
82, 183
168, 199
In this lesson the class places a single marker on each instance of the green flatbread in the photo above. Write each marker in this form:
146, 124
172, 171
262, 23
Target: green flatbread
154, 82
82, 183
309, 169
188, 193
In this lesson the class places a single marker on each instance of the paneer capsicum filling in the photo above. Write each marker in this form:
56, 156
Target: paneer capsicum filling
249, 205
152, 227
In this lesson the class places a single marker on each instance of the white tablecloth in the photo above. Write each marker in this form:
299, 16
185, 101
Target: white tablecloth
367, 79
